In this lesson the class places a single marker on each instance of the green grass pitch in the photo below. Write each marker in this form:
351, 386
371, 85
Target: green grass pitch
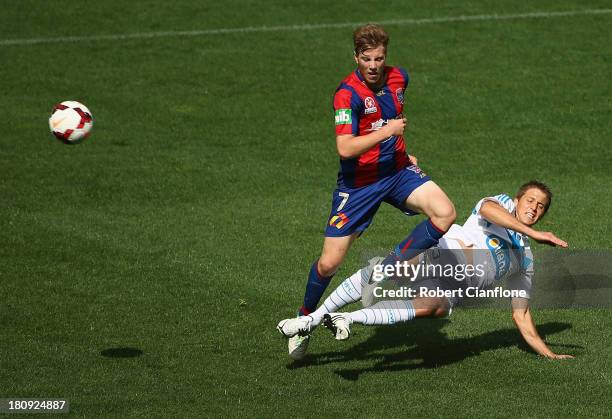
184, 228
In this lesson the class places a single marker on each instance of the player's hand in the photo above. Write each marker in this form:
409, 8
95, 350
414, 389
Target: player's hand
549, 238
395, 127
559, 356
413, 159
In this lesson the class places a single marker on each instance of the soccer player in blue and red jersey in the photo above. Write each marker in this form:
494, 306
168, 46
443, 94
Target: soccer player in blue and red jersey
374, 168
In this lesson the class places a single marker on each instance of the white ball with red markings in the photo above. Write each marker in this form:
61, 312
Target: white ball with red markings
70, 122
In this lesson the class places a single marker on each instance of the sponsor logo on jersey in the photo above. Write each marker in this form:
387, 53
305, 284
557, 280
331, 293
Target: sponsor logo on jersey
370, 105
500, 253
416, 169
378, 125
400, 95
343, 117
339, 220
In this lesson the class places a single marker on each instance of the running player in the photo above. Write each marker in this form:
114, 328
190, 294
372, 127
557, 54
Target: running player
495, 236
374, 168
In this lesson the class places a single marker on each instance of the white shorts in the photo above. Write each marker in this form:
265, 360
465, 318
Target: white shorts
448, 253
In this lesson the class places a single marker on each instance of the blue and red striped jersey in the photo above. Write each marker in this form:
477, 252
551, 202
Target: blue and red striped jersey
359, 111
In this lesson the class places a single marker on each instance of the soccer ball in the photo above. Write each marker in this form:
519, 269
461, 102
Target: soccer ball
70, 122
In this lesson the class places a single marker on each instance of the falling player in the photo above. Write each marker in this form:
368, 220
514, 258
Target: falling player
374, 168
499, 226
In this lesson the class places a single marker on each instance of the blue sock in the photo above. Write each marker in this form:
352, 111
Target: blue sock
420, 239
315, 287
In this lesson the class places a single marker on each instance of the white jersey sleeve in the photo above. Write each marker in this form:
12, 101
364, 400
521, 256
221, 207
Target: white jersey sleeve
505, 253
502, 199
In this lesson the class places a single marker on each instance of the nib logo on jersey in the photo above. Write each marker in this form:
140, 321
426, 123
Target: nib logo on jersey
500, 253
343, 117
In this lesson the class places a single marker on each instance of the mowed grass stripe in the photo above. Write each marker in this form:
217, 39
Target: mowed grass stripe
304, 27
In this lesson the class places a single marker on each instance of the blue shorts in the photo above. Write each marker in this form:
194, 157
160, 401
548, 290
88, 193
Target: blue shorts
353, 209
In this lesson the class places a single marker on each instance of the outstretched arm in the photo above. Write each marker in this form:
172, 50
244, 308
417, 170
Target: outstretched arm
524, 322
496, 214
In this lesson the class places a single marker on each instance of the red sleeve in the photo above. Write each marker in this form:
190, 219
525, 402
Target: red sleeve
345, 116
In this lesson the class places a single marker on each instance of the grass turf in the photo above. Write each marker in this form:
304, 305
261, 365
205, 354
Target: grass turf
184, 227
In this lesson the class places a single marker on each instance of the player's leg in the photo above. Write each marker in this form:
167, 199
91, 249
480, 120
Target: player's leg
320, 275
322, 271
448, 293
387, 313
432, 201
351, 214
429, 199
347, 292
396, 311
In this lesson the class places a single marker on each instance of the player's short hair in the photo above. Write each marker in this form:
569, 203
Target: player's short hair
369, 36
538, 185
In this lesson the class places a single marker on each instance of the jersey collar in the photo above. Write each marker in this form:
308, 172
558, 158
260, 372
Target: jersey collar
362, 80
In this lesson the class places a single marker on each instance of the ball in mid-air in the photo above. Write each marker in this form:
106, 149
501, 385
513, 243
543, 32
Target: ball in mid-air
70, 122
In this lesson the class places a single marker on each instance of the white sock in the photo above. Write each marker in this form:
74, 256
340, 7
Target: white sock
384, 312
347, 292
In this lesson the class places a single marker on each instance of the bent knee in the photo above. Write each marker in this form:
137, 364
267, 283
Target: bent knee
444, 216
328, 266
431, 307
440, 312
434, 312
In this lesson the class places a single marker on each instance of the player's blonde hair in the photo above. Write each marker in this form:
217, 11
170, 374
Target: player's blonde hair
538, 185
369, 36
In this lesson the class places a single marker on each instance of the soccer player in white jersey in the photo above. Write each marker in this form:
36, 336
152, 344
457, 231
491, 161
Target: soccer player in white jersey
496, 236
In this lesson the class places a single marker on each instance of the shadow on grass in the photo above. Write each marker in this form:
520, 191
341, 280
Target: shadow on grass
423, 345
